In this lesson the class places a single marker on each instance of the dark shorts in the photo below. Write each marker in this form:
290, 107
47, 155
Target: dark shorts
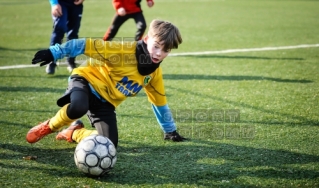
100, 113
76, 83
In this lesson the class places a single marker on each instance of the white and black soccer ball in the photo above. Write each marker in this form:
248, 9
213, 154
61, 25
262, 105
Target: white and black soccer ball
95, 155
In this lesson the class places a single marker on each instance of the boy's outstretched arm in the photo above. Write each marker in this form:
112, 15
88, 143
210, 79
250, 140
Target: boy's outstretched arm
71, 48
164, 118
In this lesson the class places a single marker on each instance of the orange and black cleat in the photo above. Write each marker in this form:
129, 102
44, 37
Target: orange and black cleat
38, 132
66, 134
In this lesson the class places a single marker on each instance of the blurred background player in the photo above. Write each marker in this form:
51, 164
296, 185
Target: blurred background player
126, 9
66, 15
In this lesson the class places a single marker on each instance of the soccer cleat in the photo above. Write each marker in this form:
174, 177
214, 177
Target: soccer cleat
50, 69
66, 134
38, 132
70, 69
71, 64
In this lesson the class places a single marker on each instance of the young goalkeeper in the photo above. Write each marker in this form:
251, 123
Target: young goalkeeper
114, 71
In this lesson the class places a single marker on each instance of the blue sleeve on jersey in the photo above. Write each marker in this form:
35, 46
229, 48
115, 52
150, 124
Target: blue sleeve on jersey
53, 2
164, 118
71, 48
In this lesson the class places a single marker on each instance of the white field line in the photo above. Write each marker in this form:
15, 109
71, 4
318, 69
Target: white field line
246, 50
201, 53
23, 66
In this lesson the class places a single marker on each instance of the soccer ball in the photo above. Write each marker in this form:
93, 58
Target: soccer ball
95, 155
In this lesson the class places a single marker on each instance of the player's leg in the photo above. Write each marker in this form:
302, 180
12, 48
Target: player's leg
75, 104
73, 27
103, 117
59, 29
140, 25
78, 134
107, 126
67, 134
115, 26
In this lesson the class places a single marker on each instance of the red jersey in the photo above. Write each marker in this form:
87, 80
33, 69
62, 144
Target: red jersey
130, 6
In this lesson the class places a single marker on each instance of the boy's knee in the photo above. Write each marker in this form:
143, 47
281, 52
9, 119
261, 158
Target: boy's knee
77, 110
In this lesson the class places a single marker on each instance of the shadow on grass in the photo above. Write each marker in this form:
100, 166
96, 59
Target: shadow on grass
229, 78
44, 156
203, 164
207, 164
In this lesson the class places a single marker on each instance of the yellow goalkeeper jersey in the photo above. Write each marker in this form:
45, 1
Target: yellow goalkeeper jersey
112, 71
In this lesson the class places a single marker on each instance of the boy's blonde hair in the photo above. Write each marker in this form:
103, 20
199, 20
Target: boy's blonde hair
166, 32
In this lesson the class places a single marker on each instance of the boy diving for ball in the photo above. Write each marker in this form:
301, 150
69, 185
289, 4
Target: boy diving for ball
115, 70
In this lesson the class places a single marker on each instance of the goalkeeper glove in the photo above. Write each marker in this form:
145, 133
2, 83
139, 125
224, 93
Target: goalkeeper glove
174, 136
43, 56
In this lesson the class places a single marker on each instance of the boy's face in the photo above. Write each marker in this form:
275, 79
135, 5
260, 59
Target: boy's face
156, 49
